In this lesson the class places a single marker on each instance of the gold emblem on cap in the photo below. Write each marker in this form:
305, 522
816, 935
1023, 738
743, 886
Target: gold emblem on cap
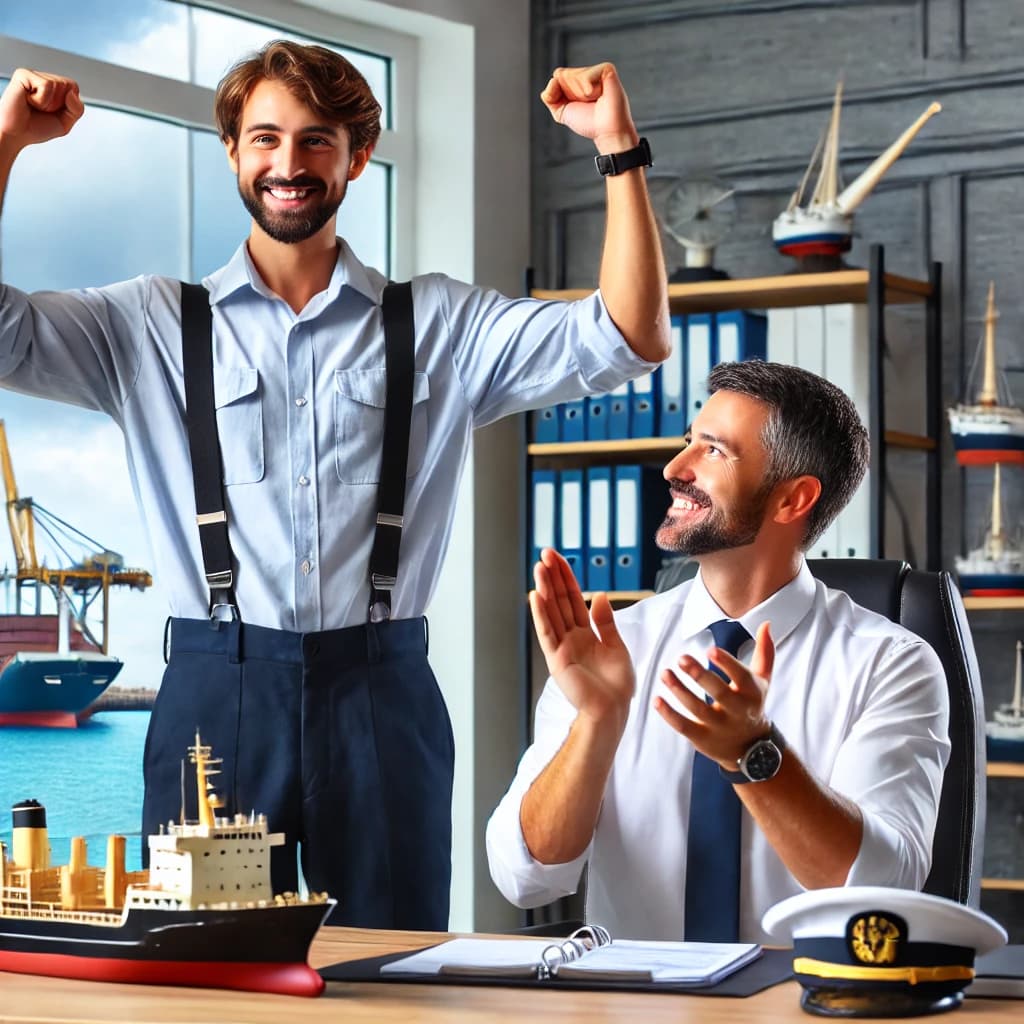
874, 939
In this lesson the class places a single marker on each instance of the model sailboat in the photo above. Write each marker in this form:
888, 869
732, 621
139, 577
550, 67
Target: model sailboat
988, 430
819, 229
996, 569
1005, 732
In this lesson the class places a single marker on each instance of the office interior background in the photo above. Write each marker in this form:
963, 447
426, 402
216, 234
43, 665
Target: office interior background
473, 178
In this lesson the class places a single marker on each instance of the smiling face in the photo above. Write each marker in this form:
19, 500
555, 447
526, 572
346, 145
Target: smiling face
293, 168
719, 497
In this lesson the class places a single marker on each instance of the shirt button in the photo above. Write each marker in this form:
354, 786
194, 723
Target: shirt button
303, 481
300, 402
307, 567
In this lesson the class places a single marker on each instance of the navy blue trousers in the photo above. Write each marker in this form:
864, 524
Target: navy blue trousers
341, 738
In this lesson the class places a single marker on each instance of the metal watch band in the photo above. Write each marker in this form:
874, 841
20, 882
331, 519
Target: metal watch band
610, 164
776, 739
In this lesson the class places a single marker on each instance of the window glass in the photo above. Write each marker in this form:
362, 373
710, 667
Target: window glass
219, 220
363, 219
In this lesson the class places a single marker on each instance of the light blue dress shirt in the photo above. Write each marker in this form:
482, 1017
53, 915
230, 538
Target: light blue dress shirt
300, 414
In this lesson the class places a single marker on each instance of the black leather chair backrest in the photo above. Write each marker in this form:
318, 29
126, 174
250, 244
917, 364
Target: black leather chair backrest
928, 604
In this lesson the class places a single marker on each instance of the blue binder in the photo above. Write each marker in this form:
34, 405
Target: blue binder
544, 512
739, 335
546, 424
700, 351
641, 500
574, 423
571, 519
644, 399
672, 411
596, 410
619, 407
600, 516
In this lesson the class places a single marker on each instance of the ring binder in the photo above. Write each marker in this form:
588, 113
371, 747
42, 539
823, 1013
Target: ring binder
587, 937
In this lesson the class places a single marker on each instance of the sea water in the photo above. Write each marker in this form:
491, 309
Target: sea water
89, 780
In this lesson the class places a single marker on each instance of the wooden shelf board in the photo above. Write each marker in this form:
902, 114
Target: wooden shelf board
993, 603
789, 290
1010, 884
1005, 770
620, 596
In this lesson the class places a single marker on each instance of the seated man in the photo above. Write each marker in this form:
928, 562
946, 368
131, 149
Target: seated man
830, 724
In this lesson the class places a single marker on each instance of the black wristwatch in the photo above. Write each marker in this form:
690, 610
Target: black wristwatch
615, 163
761, 762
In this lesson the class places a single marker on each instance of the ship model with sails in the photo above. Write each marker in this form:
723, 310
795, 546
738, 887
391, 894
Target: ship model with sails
817, 229
989, 429
996, 569
52, 667
204, 914
1004, 732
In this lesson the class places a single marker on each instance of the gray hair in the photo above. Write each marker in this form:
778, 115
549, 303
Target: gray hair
812, 429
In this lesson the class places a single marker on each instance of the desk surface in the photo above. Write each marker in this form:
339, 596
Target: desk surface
27, 998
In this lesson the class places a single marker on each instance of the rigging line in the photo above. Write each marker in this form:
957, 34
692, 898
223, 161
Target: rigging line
74, 530
60, 547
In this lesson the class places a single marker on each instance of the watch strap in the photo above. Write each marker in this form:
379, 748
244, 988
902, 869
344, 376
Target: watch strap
739, 777
610, 164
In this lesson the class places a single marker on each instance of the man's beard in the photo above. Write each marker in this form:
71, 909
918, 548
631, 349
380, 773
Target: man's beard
289, 226
717, 531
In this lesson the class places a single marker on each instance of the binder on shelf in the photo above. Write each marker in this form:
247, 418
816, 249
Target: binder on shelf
574, 423
810, 339
700, 350
571, 519
740, 334
781, 344
619, 406
596, 410
546, 424
544, 507
672, 402
644, 397
600, 516
641, 500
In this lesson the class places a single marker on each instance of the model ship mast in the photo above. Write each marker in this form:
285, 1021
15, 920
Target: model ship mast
989, 394
995, 543
201, 757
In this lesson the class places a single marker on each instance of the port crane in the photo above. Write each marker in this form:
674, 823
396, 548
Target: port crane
79, 583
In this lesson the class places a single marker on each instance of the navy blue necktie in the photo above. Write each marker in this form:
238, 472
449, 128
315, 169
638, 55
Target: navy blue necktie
713, 836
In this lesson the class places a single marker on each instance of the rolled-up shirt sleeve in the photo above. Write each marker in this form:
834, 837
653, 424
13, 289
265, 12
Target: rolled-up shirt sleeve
891, 765
522, 880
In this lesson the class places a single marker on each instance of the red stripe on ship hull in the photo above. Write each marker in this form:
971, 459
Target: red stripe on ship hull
994, 592
284, 979
988, 456
50, 719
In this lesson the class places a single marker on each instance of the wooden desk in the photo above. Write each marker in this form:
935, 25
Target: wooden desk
27, 998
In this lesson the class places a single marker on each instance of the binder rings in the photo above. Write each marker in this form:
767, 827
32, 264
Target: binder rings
571, 519
672, 411
600, 515
700, 350
595, 409
641, 500
574, 423
619, 403
544, 506
739, 335
643, 419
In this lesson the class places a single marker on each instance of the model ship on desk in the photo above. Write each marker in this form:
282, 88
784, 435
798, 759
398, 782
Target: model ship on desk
817, 230
204, 914
988, 430
1004, 734
996, 569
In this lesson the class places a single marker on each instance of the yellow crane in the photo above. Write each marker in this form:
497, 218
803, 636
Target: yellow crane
91, 576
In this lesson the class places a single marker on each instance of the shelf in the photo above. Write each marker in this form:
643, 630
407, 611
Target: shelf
781, 292
1005, 770
618, 597
1006, 884
993, 603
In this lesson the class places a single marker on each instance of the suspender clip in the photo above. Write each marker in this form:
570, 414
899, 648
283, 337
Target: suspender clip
220, 580
380, 582
387, 519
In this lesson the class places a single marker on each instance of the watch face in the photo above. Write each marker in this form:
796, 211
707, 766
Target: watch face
761, 761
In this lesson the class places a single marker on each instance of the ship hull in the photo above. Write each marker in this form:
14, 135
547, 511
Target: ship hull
989, 443
260, 949
991, 584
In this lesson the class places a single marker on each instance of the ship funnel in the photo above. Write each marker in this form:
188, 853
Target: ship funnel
857, 191
31, 841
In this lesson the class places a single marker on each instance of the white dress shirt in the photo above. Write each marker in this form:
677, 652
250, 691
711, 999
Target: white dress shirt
300, 413
861, 700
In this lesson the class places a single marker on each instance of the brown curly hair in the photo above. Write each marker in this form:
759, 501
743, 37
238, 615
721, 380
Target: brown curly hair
325, 81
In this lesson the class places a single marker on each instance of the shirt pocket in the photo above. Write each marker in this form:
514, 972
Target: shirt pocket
359, 397
240, 424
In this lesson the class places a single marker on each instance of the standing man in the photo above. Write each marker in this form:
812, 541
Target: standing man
822, 737
299, 563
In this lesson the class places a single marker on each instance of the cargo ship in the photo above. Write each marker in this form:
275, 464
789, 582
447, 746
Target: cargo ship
204, 914
52, 667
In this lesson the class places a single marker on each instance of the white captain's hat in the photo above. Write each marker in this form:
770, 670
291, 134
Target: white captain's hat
870, 951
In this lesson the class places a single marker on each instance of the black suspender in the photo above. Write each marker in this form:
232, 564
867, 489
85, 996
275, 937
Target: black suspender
399, 354
204, 446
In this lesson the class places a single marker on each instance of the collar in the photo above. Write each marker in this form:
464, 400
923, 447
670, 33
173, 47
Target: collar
240, 272
784, 609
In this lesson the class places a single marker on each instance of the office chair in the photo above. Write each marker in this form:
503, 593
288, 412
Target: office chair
928, 604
